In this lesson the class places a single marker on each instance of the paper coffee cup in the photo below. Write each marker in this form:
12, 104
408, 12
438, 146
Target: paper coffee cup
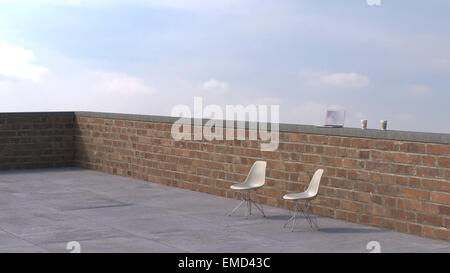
364, 124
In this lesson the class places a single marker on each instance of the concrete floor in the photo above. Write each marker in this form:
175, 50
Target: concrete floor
42, 210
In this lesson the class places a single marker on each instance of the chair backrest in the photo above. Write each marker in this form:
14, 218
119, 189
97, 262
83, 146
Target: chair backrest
313, 187
257, 175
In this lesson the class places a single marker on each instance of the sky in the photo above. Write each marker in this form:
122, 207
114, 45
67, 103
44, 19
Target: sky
377, 59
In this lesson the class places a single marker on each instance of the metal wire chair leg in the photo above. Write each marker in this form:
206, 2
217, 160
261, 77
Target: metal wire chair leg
237, 207
293, 217
244, 200
305, 212
260, 208
248, 201
249, 204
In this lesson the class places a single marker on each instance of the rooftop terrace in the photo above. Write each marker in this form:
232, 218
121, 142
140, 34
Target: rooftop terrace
44, 209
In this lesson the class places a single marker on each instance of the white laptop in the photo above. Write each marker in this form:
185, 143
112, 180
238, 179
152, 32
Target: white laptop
334, 118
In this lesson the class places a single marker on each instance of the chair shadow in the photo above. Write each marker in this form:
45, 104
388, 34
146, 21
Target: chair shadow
333, 230
42, 170
351, 230
282, 217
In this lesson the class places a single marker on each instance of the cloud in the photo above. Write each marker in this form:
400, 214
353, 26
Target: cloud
266, 101
194, 5
350, 80
441, 64
44, 2
3, 84
345, 80
373, 2
420, 90
16, 62
73, 2
215, 85
116, 83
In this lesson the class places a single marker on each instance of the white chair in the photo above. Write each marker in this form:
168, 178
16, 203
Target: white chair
256, 179
308, 195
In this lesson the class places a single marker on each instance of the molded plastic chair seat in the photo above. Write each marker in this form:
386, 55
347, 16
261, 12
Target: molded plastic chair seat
244, 186
299, 196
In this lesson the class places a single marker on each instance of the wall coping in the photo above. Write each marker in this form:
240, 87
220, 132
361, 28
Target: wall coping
441, 138
35, 114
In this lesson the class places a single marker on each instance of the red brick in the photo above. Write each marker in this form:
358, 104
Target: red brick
8, 133
293, 137
376, 154
402, 180
438, 149
331, 161
444, 162
389, 201
364, 154
378, 166
364, 197
341, 173
402, 169
385, 145
336, 141
412, 147
353, 153
318, 149
443, 186
444, 210
388, 223
443, 233
402, 203
415, 194
415, 182
378, 210
362, 143
415, 229
428, 172
342, 215
352, 206
346, 142
330, 150
351, 163
430, 219
376, 177
364, 187
429, 231
415, 205
271, 155
389, 156
414, 159
429, 160
401, 226
440, 197
429, 184
317, 139
310, 158
401, 158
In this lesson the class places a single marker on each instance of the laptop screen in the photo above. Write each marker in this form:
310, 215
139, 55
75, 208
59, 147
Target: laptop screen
335, 118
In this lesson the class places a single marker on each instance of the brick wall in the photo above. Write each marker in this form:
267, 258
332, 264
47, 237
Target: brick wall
393, 180
36, 140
